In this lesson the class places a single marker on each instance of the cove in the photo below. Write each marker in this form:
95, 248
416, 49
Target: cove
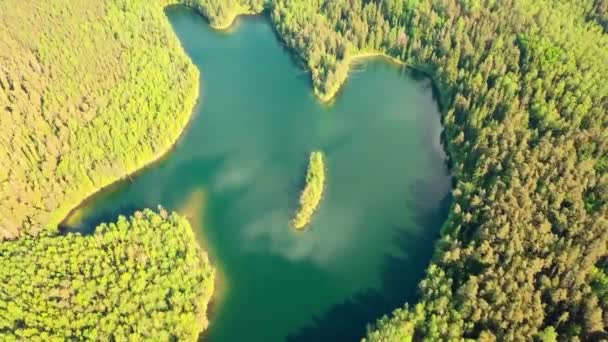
238, 170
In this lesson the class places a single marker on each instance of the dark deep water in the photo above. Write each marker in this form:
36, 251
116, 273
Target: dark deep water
238, 170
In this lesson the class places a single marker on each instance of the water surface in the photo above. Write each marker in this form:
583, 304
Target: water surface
238, 170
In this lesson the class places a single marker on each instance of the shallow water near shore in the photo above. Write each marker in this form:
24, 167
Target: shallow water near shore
238, 170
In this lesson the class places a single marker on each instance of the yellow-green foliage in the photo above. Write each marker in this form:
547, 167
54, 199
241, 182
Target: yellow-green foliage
143, 277
89, 92
221, 13
313, 190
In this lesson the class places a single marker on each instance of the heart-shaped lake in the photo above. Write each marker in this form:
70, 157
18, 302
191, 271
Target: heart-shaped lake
238, 170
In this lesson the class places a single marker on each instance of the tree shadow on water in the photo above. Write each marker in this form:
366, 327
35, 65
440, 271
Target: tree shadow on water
88, 224
401, 272
108, 204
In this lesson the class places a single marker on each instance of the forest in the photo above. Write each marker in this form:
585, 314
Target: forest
523, 89
140, 278
85, 101
222, 13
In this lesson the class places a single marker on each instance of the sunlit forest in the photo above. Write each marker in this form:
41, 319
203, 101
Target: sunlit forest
139, 278
85, 100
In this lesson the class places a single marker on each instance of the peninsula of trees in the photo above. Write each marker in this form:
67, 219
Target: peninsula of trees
222, 13
141, 278
312, 194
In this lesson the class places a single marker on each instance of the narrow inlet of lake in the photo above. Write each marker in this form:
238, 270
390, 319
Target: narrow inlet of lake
238, 170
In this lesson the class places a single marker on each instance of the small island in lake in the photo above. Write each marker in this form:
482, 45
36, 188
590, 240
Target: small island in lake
313, 190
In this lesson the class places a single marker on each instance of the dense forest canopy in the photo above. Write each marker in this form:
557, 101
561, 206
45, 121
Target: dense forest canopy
89, 92
143, 277
524, 93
